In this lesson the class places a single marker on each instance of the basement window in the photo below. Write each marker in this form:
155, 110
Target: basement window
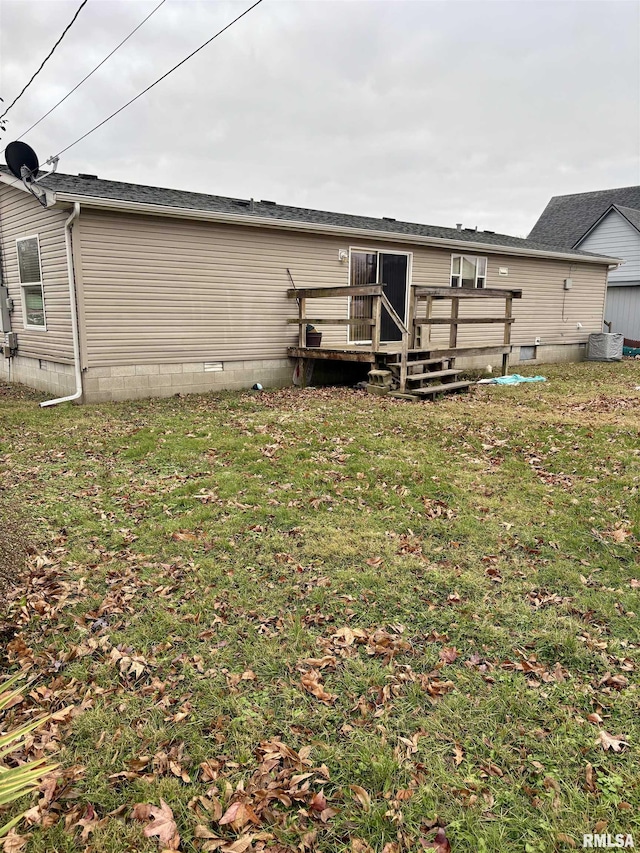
468, 271
30, 271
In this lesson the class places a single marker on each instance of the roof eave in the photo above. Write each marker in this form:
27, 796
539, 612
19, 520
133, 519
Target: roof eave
17, 184
340, 230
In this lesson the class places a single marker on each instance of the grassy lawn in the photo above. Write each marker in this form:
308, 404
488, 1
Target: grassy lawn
319, 620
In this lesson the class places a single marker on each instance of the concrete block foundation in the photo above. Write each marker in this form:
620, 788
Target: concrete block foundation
136, 381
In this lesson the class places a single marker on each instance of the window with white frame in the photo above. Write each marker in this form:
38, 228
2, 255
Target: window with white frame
30, 272
468, 271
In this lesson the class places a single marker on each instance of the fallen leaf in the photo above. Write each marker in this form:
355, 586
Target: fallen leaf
238, 815
458, 754
448, 654
440, 843
13, 843
318, 801
311, 683
360, 846
590, 779
565, 839
361, 796
607, 741
162, 824
620, 534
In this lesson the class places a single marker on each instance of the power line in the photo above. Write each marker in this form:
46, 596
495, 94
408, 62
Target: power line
91, 73
46, 59
159, 80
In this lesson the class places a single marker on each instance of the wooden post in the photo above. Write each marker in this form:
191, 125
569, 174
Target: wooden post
453, 334
377, 319
404, 358
508, 313
302, 329
429, 312
412, 314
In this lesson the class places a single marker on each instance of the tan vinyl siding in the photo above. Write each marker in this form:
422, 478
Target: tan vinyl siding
22, 216
158, 289
546, 310
169, 290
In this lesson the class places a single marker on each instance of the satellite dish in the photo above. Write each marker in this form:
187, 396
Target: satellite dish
23, 163
19, 157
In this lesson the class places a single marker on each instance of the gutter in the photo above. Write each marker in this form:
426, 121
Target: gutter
73, 305
340, 230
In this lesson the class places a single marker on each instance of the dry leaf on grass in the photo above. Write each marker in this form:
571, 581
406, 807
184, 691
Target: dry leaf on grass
360, 846
440, 843
620, 534
238, 815
590, 779
161, 824
448, 654
13, 843
607, 741
311, 681
361, 796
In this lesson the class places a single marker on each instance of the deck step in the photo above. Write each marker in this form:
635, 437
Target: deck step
419, 363
441, 389
435, 374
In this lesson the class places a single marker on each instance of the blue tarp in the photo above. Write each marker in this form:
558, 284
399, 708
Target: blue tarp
513, 379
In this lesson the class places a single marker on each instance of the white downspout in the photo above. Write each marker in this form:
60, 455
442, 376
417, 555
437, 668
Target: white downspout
73, 304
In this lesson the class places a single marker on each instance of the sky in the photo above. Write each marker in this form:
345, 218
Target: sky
432, 112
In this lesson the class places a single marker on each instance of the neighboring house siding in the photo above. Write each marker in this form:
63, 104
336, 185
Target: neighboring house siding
617, 238
623, 311
157, 289
22, 216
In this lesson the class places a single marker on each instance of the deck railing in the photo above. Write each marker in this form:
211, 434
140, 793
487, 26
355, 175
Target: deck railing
454, 320
374, 322
411, 332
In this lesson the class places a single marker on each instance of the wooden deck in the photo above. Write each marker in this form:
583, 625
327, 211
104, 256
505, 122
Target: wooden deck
402, 358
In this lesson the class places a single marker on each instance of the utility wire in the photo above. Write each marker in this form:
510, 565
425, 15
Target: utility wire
91, 73
159, 80
45, 60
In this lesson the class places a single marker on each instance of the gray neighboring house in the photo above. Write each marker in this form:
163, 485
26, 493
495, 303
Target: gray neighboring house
605, 222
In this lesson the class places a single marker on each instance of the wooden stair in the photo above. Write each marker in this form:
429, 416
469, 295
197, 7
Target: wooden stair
434, 374
442, 388
427, 375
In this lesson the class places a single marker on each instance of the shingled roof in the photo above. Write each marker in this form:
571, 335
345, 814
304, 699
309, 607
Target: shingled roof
72, 187
567, 218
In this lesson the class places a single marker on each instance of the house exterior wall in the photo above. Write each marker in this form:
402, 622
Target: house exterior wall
623, 311
160, 290
22, 216
170, 305
617, 238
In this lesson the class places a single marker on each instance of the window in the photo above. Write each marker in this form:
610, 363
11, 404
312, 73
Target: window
31, 282
468, 271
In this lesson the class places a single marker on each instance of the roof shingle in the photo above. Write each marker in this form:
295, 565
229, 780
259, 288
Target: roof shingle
567, 218
90, 186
